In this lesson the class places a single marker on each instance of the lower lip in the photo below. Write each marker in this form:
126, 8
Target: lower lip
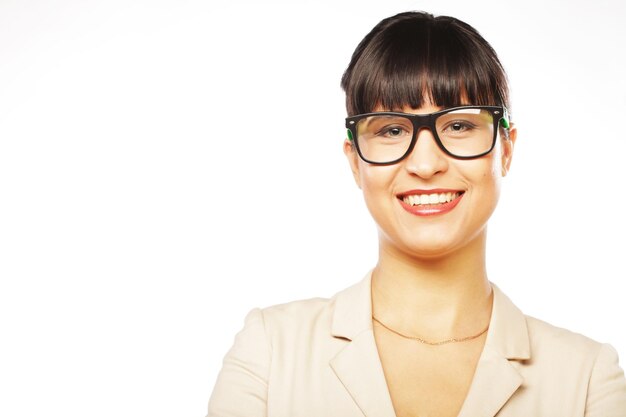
431, 209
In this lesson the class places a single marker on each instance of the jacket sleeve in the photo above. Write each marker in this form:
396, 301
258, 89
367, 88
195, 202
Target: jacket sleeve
241, 387
606, 396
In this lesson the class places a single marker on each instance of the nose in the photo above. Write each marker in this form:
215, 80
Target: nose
426, 158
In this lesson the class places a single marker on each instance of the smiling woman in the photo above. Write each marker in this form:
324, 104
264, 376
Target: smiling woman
429, 140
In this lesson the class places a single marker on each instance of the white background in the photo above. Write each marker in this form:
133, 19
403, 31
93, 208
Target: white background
165, 166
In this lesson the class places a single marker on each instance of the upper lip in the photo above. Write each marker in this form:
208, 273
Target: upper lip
432, 191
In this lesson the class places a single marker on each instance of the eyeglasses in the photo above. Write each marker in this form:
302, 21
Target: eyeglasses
465, 132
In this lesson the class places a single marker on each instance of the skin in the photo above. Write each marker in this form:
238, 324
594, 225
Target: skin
430, 280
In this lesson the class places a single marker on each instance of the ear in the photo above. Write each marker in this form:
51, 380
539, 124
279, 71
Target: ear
353, 159
507, 149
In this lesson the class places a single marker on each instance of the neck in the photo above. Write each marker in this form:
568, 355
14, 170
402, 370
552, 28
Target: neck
437, 298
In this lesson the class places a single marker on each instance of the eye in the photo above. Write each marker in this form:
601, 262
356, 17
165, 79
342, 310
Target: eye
458, 127
393, 132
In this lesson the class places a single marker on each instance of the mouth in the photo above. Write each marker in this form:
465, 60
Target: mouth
430, 202
430, 199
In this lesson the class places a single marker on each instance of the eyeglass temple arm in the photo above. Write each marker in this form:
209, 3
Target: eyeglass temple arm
504, 120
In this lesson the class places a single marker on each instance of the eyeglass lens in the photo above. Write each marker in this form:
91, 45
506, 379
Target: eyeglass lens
464, 132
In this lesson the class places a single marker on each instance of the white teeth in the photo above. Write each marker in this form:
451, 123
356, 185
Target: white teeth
442, 198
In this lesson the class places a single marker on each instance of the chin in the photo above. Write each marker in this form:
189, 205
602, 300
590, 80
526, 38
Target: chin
430, 252
429, 247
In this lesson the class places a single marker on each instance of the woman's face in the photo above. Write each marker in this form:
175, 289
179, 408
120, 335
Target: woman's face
432, 230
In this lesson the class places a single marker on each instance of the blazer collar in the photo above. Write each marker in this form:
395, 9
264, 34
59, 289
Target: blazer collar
353, 309
508, 332
358, 364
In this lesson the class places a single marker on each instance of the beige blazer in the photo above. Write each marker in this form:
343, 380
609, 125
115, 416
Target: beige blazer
318, 358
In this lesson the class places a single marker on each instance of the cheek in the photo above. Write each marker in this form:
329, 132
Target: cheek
376, 179
483, 177
377, 185
487, 169
496, 160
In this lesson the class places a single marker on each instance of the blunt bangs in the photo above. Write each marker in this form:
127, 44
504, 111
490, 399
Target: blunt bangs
414, 57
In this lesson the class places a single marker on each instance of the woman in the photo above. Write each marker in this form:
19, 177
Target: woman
425, 333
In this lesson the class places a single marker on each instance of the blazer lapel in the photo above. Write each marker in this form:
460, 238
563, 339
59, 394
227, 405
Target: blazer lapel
358, 365
496, 378
494, 383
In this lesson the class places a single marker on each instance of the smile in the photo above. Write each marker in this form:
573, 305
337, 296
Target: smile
423, 199
430, 202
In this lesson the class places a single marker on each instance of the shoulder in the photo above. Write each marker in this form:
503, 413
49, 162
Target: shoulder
269, 331
343, 316
296, 309
297, 317
520, 336
570, 359
557, 346
544, 336
556, 363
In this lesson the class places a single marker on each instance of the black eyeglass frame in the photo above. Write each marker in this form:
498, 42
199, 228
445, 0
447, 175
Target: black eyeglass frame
499, 113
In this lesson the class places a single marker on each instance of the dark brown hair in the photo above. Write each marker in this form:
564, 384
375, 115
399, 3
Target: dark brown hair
414, 56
